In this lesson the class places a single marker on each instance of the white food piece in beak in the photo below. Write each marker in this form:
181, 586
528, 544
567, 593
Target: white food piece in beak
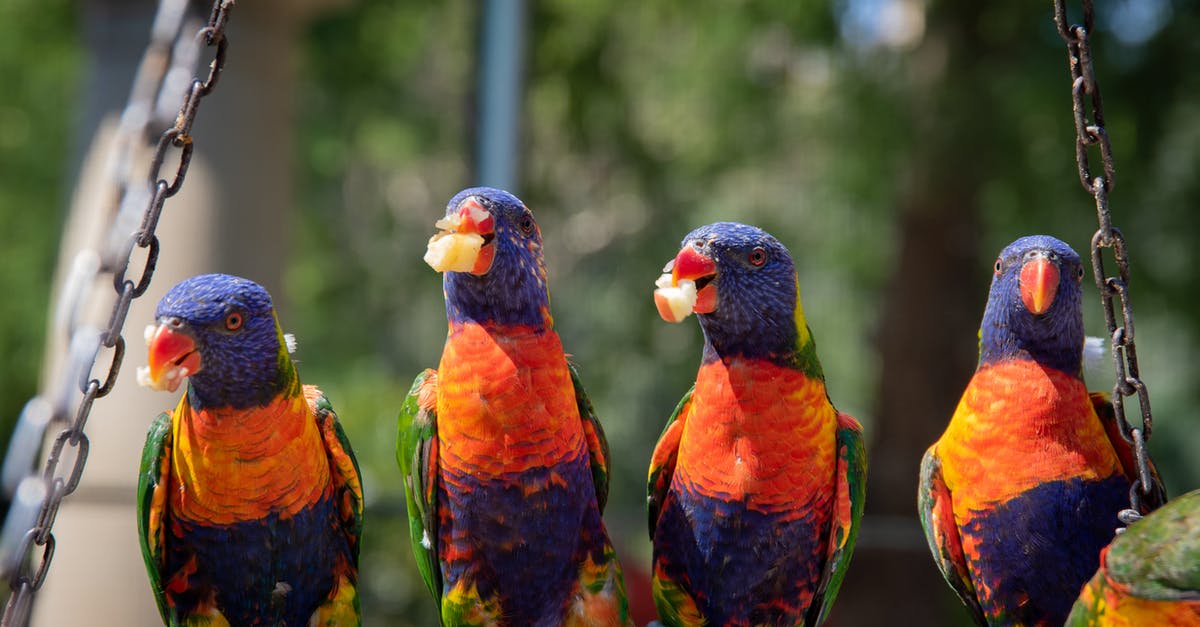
169, 382
143, 377
677, 301
453, 252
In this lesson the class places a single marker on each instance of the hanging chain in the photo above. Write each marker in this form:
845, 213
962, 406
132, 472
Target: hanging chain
1114, 291
134, 205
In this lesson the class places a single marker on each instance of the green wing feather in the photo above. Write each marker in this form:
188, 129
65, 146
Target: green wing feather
1155, 559
662, 462
1158, 557
941, 533
151, 508
597, 442
849, 501
347, 479
416, 453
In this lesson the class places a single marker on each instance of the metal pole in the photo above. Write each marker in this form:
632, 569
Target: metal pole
501, 59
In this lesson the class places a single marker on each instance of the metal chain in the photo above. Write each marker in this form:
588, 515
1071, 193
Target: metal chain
135, 206
1114, 291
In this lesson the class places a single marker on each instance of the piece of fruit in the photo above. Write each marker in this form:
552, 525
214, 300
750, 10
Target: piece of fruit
453, 252
674, 302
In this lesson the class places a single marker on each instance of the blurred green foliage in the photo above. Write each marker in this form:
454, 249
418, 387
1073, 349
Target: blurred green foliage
39, 68
823, 122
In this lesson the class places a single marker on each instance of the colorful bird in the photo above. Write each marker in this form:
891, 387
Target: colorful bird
756, 485
249, 496
1022, 490
1150, 574
505, 465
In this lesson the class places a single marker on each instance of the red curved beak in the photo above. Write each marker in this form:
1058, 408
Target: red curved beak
172, 356
474, 218
1039, 284
692, 265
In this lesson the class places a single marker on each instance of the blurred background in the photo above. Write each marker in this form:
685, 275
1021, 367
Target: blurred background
895, 146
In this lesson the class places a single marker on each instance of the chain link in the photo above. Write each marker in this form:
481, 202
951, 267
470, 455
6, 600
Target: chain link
1114, 291
38, 496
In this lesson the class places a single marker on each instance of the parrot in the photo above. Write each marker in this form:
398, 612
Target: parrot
1022, 490
756, 485
1149, 574
505, 465
250, 501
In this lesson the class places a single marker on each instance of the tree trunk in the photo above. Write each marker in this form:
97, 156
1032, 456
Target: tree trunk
928, 331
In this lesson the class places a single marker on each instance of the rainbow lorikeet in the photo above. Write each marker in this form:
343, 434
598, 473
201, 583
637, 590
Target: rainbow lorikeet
756, 485
249, 495
505, 464
1022, 490
1150, 574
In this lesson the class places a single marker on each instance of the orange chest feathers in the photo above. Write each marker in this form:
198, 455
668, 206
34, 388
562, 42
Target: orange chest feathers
1019, 425
232, 466
759, 432
505, 402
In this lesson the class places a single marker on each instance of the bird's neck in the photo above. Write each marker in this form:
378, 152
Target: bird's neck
1055, 342
782, 340
245, 385
500, 297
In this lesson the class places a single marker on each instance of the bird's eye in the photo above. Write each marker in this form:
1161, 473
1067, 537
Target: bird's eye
1079, 273
758, 257
233, 321
997, 266
527, 225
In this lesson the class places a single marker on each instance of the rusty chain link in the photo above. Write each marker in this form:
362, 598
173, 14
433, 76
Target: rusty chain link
1085, 95
135, 205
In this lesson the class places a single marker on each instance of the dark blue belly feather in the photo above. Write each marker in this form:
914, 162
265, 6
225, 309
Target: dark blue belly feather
740, 565
245, 563
1036, 551
523, 549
